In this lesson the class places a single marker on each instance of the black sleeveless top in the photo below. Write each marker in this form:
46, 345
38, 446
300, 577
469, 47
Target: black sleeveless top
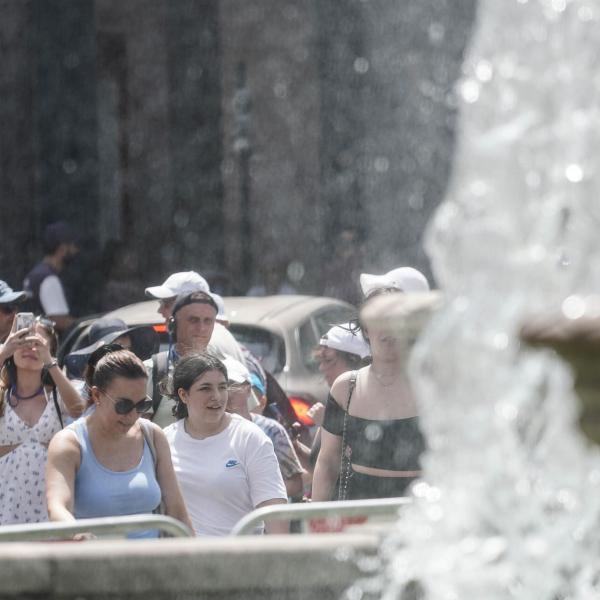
393, 444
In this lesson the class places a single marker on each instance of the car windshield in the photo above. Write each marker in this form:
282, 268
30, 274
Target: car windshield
266, 346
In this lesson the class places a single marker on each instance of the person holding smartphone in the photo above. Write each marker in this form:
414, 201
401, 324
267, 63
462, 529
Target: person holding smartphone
34, 396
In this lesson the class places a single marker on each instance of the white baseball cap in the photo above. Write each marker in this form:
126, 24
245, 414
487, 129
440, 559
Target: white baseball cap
236, 371
8, 296
404, 279
344, 338
221, 314
179, 283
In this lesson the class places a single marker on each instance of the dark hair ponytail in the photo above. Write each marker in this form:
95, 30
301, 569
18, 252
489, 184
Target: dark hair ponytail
120, 363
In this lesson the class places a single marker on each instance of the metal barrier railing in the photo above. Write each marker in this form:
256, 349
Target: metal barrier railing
316, 510
33, 532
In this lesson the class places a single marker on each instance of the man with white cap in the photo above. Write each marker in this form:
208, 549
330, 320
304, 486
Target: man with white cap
241, 401
222, 342
402, 279
9, 301
175, 284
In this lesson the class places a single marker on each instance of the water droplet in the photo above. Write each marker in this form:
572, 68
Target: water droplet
484, 70
181, 219
436, 33
416, 201
361, 65
72, 60
479, 188
508, 412
574, 173
433, 494
419, 490
381, 164
533, 179
500, 341
573, 307
435, 513
585, 13
69, 166
469, 90
295, 271
280, 89
559, 5
373, 432
343, 553
354, 593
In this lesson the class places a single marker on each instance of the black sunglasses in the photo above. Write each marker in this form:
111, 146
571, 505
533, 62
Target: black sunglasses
124, 406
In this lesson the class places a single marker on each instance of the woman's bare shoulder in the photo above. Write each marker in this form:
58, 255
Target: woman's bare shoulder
65, 442
341, 386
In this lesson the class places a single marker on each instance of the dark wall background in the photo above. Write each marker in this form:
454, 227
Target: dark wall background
235, 139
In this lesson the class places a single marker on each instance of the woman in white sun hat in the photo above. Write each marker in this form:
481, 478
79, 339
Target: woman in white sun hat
371, 441
402, 279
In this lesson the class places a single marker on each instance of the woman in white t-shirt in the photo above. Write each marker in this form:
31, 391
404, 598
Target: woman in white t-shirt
226, 465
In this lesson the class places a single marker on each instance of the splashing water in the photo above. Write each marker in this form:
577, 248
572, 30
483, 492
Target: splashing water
509, 506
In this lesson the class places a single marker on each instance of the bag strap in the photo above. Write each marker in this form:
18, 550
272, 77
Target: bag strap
160, 367
57, 407
148, 434
344, 459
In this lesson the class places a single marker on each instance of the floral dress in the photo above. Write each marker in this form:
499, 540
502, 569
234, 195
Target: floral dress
22, 471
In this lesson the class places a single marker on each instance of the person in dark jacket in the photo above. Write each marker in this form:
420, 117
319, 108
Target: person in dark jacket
43, 283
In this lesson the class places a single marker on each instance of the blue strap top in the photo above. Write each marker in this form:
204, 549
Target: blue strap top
100, 492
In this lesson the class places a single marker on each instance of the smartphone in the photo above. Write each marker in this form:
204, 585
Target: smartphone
24, 320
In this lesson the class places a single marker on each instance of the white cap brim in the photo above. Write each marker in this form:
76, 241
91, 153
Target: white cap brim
160, 292
13, 297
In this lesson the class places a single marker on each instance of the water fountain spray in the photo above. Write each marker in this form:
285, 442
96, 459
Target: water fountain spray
509, 503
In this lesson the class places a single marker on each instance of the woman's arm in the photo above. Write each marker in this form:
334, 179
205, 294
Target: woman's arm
169, 487
272, 527
15, 340
327, 468
73, 402
63, 461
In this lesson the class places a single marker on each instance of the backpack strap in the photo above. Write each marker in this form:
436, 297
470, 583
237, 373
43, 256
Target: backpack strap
160, 368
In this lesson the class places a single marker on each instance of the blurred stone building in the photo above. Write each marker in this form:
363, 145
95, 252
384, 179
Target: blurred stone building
233, 137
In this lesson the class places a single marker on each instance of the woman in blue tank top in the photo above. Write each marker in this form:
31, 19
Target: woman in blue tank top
101, 465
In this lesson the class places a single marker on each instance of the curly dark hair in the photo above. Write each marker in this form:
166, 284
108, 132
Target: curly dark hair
187, 371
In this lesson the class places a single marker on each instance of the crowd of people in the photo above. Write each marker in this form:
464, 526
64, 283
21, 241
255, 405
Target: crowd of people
192, 432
